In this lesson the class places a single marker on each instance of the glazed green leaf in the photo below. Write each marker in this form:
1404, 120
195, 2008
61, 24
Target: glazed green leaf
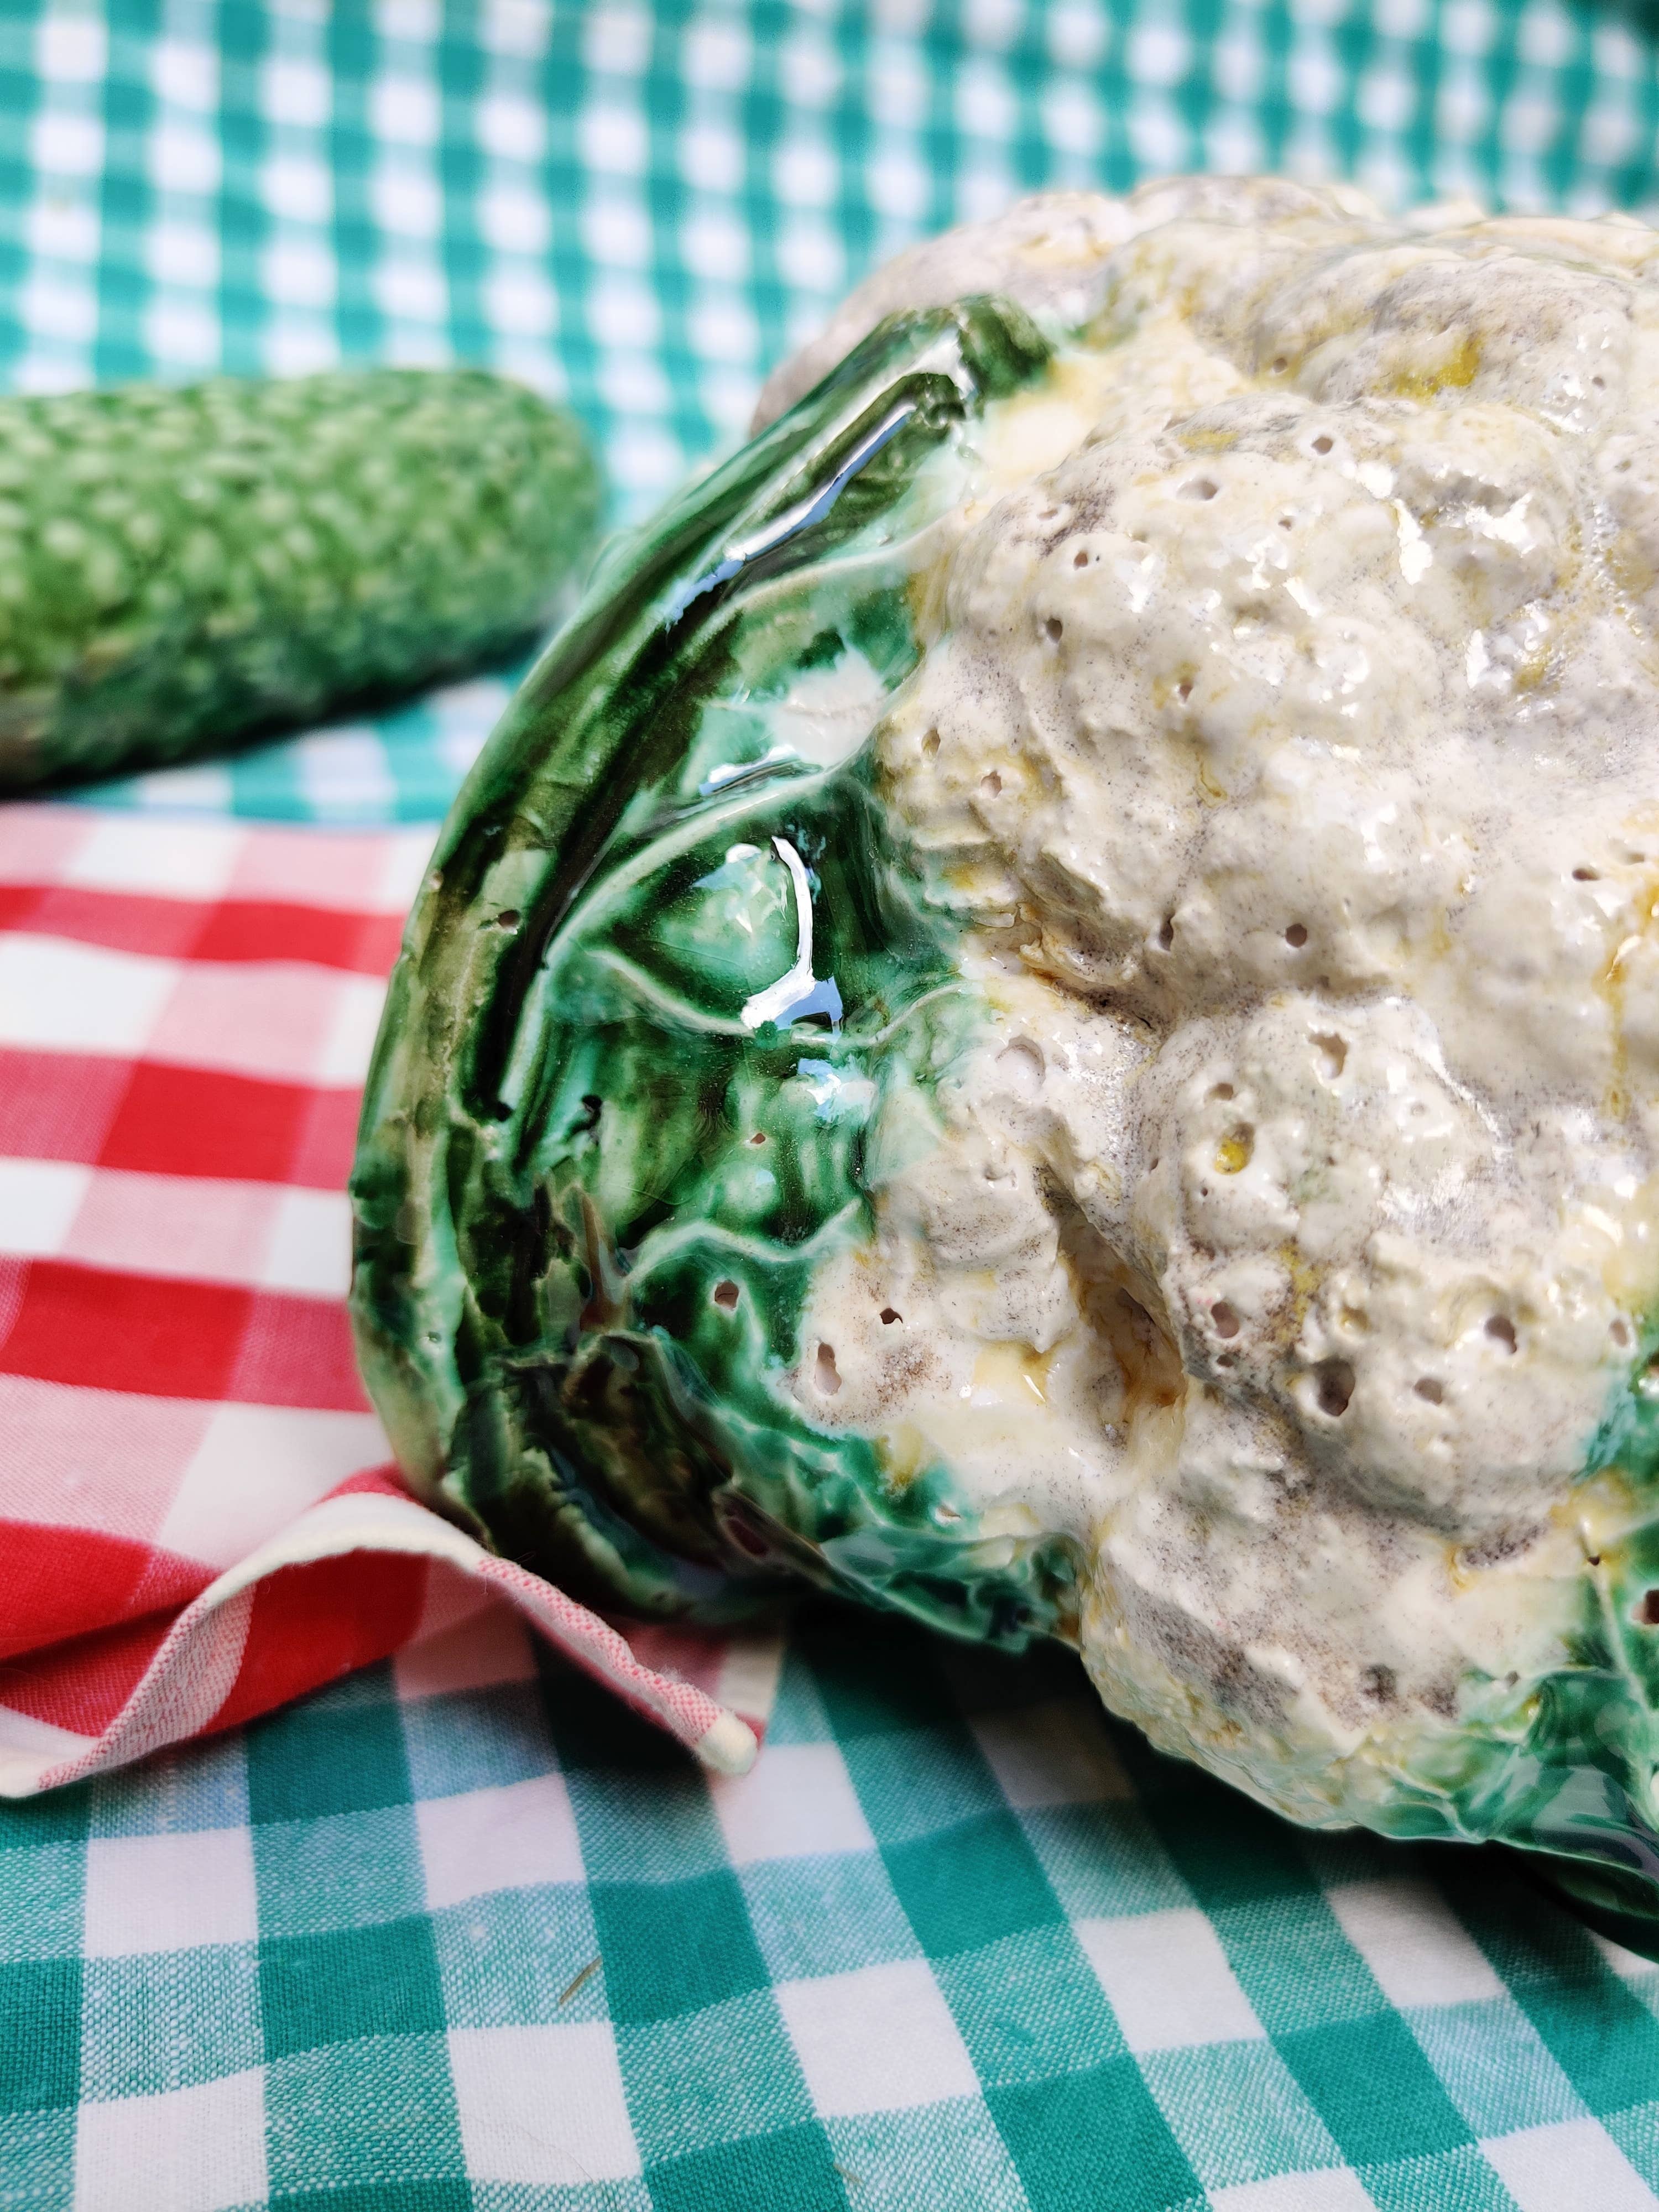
180, 567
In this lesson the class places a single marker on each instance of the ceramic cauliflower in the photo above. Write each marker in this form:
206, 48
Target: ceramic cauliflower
1047, 1011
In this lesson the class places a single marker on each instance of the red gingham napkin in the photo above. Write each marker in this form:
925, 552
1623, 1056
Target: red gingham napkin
197, 1519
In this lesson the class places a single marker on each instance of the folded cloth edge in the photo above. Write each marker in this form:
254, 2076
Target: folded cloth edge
206, 1653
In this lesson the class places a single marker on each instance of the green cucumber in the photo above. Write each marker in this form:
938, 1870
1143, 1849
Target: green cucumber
180, 567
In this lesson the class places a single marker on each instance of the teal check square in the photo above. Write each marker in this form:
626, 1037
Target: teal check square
914, 1783
798, 1710
63, 1817
39, 2034
872, 1679
1029, 2007
1239, 2112
1460, 2177
1636, 2134
475, 1740
622, 1842
519, 1958
971, 1885
591, 1731
586, 2196
402, 2131
1494, 2065
450, 2194
41, 1901
1373, 2088
343, 1869
203, 1787
351, 1983
948, 2156
1097, 2137
825, 1915
169, 2019
674, 1947
1102, 1862
710, 2077
792, 2169
37, 2150
326, 1755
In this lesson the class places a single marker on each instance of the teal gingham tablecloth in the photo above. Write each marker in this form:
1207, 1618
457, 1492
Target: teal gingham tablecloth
459, 1933
642, 209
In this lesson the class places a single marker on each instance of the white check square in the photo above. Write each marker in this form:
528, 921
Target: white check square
542, 2105
796, 1801
1057, 1754
1419, 1950
39, 1202
1574, 2166
1166, 1977
169, 1893
201, 2149
518, 1836
878, 2040
1329, 2189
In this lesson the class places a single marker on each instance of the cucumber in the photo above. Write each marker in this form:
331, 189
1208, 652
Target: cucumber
180, 567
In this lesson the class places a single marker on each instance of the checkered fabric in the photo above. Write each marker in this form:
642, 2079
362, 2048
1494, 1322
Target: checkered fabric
460, 1932
641, 208
196, 1522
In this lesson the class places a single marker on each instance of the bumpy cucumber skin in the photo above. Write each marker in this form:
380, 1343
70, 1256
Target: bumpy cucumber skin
180, 567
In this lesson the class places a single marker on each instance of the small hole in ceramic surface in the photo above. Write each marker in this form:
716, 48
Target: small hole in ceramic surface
1226, 1320
1333, 1052
990, 786
1184, 690
1598, 383
1221, 1090
1234, 1152
1324, 443
759, 1137
1080, 558
1501, 1329
1586, 875
1428, 1387
508, 918
889, 1316
727, 1295
825, 1373
930, 745
1054, 629
1287, 522
1297, 936
1200, 487
747, 1539
1619, 1332
1277, 365
1166, 933
1648, 1612
1334, 1387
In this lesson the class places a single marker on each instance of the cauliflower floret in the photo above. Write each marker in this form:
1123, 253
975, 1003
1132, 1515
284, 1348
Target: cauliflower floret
1282, 743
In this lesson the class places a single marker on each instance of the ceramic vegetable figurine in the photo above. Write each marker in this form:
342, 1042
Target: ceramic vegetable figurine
178, 567
1047, 1012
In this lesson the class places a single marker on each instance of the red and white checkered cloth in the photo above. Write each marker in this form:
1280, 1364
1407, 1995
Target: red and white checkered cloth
197, 1519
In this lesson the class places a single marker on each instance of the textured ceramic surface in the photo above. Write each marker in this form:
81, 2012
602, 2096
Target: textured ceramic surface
183, 566
673, 1004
